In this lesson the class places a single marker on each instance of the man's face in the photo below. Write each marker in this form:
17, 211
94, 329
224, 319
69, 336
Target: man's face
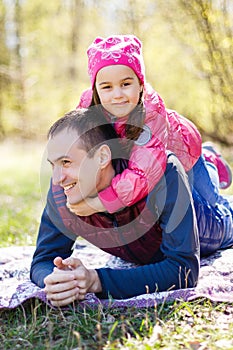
72, 169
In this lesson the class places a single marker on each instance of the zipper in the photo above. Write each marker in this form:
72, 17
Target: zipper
115, 224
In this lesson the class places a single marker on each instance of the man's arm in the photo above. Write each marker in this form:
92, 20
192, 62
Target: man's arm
50, 244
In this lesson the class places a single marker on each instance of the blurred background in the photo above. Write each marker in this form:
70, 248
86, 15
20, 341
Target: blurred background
187, 45
188, 52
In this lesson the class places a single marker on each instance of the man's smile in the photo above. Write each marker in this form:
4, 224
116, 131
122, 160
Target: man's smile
69, 187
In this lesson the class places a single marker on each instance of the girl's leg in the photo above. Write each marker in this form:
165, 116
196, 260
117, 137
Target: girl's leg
205, 180
210, 173
214, 211
215, 225
225, 205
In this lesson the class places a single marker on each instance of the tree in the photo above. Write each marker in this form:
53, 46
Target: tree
18, 65
76, 13
11, 65
4, 65
212, 47
187, 48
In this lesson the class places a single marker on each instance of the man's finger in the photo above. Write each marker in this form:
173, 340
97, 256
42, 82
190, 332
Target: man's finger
58, 262
64, 302
72, 263
56, 278
63, 295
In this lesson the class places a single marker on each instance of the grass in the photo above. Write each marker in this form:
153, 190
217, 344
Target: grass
179, 325
200, 324
20, 193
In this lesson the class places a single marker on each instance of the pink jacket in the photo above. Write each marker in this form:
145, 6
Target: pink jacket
163, 130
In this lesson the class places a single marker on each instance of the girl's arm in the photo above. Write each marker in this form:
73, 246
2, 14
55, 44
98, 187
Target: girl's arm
146, 164
184, 139
169, 131
145, 168
87, 207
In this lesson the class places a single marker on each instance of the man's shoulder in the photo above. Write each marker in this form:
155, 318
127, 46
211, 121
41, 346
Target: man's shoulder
173, 161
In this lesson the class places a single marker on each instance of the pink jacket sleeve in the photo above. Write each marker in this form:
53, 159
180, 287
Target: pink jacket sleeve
184, 139
147, 161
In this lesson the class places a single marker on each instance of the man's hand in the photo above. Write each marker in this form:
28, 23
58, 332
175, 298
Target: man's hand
70, 281
87, 207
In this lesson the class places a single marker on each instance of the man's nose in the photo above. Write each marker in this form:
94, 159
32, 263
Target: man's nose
58, 175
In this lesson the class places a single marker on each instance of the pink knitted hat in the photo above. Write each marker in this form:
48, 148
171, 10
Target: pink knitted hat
116, 49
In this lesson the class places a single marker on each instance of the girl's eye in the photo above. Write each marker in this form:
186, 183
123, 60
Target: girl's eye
126, 83
106, 87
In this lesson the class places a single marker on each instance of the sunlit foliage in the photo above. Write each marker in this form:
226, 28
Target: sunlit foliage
187, 48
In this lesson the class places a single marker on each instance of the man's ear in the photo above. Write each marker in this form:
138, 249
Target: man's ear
104, 156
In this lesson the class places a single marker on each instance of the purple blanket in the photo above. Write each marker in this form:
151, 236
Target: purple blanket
215, 283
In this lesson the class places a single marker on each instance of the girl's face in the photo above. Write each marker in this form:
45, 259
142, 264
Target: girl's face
119, 89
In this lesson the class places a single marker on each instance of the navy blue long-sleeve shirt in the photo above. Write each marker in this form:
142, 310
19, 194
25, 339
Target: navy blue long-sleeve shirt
177, 264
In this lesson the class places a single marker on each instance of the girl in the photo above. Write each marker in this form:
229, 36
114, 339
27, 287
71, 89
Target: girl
117, 74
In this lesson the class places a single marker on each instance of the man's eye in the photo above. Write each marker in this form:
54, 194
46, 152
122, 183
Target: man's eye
65, 162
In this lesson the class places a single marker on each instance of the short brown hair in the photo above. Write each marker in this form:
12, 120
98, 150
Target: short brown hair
92, 130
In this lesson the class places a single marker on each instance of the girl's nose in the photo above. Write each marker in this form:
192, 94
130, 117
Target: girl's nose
117, 92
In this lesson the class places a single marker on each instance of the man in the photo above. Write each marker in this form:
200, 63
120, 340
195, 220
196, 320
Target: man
159, 233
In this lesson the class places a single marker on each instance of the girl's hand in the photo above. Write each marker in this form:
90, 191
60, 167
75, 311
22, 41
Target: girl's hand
87, 207
70, 281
